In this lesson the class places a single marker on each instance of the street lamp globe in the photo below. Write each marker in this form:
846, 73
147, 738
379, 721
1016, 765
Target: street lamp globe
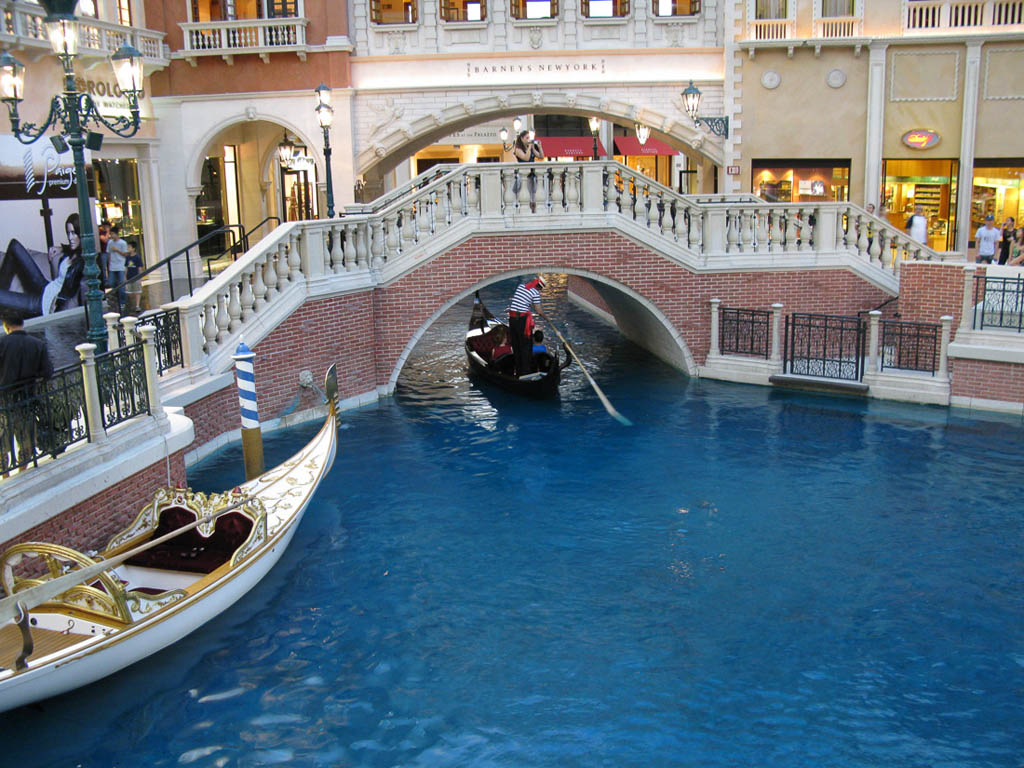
643, 133
517, 125
61, 26
127, 63
12, 78
286, 151
691, 100
595, 123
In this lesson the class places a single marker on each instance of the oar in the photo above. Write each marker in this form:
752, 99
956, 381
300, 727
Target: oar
601, 396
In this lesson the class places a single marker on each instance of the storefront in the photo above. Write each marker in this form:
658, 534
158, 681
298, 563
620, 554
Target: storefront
996, 190
653, 158
118, 200
801, 181
932, 184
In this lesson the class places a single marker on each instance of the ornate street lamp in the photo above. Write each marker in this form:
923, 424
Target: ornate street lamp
643, 133
71, 111
517, 125
595, 125
325, 116
285, 152
691, 103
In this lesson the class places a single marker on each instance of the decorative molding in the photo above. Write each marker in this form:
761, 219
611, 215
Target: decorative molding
988, 58
956, 76
770, 79
836, 78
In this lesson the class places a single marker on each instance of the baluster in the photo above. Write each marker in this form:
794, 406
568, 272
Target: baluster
282, 265
408, 228
234, 309
455, 199
248, 298
679, 223
222, 319
210, 326
862, 237
376, 244
791, 229
732, 225
362, 248
422, 221
542, 195
650, 211
557, 196
889, 243
337, 255
806, 229
611, 192
440, 213
777, 234
472, 193
634, 190
572, 193
762, 231
259, 288
665, 206
294, 262
696, 228
391, 237
509, 181
270, 276
747, 231
875, 249
350, 247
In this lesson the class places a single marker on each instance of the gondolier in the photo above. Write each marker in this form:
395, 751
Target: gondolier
525, 301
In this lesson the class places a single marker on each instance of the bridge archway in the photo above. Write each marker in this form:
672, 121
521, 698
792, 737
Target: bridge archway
638, 319
396, 136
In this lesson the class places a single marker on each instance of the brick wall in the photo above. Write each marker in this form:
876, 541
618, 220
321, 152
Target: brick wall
91, 524
988, 380
929, 290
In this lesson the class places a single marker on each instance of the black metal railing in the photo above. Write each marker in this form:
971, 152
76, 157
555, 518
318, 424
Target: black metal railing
910, 346
829, 346
42, 418
745, 332
121, 377
166, 340
999, 303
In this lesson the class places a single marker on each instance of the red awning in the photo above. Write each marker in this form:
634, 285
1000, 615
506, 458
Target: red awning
631, 146
570, 146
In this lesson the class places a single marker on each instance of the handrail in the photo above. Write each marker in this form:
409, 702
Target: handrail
234, 248
432, 173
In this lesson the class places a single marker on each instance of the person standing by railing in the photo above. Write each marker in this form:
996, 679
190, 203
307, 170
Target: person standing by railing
118, 254
24, 360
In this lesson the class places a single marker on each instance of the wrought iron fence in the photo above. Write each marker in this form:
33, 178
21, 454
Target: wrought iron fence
121, 376
829, 346
999, 302
42, 418
910, 346
167, 339
744, 332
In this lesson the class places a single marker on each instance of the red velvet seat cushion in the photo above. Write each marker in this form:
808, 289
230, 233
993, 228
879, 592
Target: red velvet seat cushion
189, 551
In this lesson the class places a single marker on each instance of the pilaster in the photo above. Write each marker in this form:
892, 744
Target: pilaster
875, 123
968, 130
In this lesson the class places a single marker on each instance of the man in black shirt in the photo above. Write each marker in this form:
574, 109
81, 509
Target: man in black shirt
23, 361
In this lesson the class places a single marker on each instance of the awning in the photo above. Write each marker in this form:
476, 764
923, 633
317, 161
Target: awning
631, 146
570, 146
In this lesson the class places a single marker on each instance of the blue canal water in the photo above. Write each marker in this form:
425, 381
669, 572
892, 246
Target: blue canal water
744, 578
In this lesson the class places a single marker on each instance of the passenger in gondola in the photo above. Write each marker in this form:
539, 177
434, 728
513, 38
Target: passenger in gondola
501, 345
525, 301
539, 347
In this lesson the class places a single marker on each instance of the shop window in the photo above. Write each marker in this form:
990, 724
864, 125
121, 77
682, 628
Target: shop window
837, 9
770, 9
604, 9
997, 191
932, 184
117, 198
801, 181
676, 7
534, 9
464, 10
393, 11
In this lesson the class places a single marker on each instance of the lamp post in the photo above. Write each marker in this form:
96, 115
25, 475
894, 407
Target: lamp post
595, 125
691, 104
517, 125
72, 111
325, 116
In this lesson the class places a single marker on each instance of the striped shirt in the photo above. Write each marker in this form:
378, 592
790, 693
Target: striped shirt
523, 299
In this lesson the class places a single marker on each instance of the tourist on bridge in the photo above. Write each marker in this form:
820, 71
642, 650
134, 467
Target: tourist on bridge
525, 301
986, 239
527, 149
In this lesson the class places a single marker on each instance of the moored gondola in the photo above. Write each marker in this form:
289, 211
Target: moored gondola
484, 335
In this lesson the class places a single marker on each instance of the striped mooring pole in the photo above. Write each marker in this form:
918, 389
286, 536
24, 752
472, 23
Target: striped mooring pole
252, 438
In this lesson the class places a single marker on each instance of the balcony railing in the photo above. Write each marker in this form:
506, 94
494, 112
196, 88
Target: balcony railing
772, 29
23, 25
838, 27
934, 16
259, 36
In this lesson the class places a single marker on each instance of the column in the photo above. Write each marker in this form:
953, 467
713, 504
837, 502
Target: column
968, 130
714, 349
874, 316
875, 123
967, 307
93, 409
776, 353
111, 319
947, 326
148, 332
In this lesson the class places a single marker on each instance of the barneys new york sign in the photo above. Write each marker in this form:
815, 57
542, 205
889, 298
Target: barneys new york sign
555, 67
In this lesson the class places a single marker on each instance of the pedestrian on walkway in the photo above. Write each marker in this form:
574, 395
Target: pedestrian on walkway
24, 364
985, 239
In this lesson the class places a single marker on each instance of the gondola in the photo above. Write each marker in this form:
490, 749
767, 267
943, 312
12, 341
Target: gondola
480, 342
68, 619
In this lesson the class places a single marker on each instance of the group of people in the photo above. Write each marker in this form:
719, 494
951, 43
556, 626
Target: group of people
1000, 246
119, 264
522, 341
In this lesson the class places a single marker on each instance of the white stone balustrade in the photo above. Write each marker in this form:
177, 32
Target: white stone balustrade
378, 242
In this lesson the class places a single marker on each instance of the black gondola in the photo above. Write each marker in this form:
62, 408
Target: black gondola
481, 339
